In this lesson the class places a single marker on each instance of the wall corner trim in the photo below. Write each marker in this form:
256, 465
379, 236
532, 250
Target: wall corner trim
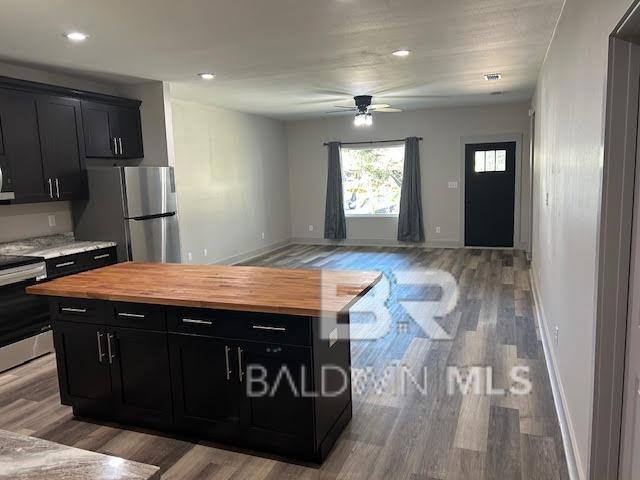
566, 430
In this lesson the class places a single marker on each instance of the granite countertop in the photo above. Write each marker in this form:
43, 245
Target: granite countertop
52, 246
23, 457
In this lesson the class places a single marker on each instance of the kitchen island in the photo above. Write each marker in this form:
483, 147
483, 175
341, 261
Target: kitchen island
251, 356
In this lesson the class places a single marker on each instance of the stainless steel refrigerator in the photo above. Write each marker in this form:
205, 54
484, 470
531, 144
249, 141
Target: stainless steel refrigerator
134, 207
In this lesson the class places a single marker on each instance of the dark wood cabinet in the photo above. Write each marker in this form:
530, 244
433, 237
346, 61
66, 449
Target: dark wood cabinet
206, 394
80, 262
213, 373
60, 129
47, 132
112, 131
21, 141
139, 365
83, 366
277, 401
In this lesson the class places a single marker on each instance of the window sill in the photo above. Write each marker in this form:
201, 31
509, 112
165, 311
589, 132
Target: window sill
379, 215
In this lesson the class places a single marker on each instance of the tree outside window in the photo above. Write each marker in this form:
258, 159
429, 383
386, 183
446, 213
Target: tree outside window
372, 180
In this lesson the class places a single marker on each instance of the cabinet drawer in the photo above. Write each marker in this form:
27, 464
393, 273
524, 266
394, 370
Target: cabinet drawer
260, 327
66, 265
99, 258
137, 315
79, 310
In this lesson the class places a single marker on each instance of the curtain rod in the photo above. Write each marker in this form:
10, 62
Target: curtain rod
371, 142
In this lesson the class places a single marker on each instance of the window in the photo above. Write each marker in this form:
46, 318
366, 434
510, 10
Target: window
491, 161
372, 179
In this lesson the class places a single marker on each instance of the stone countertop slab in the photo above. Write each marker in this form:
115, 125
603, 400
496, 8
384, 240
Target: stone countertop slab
23, 457
51, 246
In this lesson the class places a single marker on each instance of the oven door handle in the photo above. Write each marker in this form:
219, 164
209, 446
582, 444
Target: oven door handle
21, 274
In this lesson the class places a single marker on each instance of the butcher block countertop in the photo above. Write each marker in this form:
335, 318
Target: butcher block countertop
252, 289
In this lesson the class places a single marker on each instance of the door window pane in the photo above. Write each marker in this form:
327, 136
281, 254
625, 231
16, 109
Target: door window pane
490, 161
479, 167
501, 161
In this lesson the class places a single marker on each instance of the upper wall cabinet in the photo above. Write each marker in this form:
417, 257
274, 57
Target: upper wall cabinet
112, 131
47, 132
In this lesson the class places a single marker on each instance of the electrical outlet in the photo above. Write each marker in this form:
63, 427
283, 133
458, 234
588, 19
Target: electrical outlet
557, 334
262, 235
52, 220
438, 229
190, 256
311, 228
205, 252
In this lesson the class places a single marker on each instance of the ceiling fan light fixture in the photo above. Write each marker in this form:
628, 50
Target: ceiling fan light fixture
363, 120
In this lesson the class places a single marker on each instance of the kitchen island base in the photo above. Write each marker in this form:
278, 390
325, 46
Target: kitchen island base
261, 381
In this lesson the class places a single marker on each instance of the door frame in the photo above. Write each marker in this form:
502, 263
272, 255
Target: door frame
518, 242
615, 244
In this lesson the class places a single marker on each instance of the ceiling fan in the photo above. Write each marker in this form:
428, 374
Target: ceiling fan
364, 110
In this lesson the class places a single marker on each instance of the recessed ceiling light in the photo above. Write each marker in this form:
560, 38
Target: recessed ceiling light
401, 53
207, 76
76, 36
492, 77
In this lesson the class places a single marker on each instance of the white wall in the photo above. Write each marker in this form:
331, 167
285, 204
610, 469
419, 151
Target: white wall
569, 106
441, 162
232, 180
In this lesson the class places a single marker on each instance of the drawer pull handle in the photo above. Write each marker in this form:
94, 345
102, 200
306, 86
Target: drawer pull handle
273, 329
226, 358
100, 257
99, 335
196, 321
240, 372
73, 310
65, 264
131, 315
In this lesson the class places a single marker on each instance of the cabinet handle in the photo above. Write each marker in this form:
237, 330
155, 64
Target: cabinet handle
120, 144
73, 310
65, 264
131, 315
99, 335
115, 146
100, 257
50, 188
226, 359
110, 348
196, 321
57, 188
240, 373
273, 329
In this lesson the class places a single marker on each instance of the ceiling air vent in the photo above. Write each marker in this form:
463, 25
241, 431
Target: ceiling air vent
492, 77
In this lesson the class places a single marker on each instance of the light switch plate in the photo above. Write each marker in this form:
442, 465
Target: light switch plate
52, 220
453, 184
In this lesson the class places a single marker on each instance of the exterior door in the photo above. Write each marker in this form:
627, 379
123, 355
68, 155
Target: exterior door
490, 171
630, 441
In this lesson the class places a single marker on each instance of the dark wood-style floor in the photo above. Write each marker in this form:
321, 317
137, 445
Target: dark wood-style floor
424, 434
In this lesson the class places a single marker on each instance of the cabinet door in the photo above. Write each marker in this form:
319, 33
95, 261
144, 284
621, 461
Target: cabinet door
60, 120
98, 125
206, 390
129, 132
21, 140
140, 374
277, 405
83, 365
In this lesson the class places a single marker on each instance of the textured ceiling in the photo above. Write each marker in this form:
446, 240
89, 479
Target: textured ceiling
293, 58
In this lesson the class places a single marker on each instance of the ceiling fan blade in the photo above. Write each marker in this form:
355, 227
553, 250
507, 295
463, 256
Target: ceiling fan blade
378, 106
347, 108
388, 110
337, 111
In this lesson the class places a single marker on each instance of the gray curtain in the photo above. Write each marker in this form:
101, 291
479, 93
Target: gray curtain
335, 226
410, 226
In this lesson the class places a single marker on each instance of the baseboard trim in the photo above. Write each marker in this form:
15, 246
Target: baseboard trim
243, 257
566, 429
374, 242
